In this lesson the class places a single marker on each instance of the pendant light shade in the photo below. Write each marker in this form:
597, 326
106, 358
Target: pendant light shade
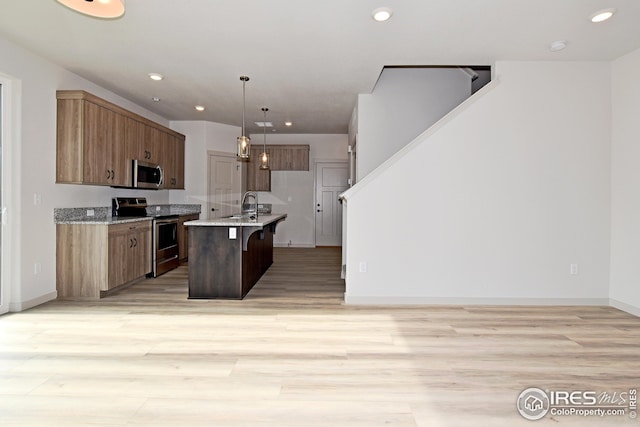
264, 157
244, 142
108, 9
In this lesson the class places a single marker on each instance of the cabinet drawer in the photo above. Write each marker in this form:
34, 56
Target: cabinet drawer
129, 227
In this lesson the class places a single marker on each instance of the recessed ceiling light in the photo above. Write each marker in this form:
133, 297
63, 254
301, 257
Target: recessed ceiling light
264, 124
156, 76
557, 45
108, 9
155, 99
288, 123
602, 15
381, 14
199, 107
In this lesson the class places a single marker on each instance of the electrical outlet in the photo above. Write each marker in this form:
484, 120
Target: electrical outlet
157, 208
37, 199
91, 212
573, 269
37, 268
232, 233
363, 267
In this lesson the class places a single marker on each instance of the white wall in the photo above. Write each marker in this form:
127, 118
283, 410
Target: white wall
404, 103
201, 137
33, 151
495, 204
292, 192
625, 185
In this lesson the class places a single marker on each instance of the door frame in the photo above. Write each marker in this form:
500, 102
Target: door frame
315, 190
10, 168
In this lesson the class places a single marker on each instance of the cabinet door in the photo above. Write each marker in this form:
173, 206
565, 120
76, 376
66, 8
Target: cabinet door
119, 254
257, 179
299, 158
134, 136
173, 162
120, 162
129, 252
178, 163
150, 145
141, 257
99, 134
278, 158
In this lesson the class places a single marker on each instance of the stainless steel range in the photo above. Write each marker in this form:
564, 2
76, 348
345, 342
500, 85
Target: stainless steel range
165, 231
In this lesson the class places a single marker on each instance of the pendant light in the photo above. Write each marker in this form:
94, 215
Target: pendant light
107, 9
244, 142
264, 157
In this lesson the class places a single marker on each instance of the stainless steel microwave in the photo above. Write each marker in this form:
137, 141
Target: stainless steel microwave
147, 175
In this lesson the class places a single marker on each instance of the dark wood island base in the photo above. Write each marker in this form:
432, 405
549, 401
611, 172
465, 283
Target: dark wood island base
227, 257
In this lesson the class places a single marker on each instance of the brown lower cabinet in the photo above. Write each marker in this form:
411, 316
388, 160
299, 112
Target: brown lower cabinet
94, 259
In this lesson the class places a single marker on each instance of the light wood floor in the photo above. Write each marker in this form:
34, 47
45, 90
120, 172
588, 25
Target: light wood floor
292, 354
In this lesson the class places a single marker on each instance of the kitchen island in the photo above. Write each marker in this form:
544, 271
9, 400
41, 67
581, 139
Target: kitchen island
227, 256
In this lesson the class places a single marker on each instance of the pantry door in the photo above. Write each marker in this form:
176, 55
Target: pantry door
331, 180
223, 185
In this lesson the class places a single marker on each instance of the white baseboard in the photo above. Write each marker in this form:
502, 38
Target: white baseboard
396, 300
294, 245
26, 305
631, 309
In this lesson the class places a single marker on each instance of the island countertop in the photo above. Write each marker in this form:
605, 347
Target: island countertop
261, 221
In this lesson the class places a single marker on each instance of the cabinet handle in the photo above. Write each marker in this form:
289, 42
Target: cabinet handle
113, 174
135, 242
108, 174
130, 242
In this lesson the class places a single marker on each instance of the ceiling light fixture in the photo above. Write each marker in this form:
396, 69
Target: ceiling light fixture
156, 76
602, 15
288, 123
244, 142
557, 45
264, 157
382, 14
199, 107
155, 99
107, 9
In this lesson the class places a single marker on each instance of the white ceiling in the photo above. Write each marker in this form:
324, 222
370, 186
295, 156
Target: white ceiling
307, 60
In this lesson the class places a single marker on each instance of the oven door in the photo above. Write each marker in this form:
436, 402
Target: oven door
165, 245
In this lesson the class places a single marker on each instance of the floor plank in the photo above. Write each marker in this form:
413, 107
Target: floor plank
293, 354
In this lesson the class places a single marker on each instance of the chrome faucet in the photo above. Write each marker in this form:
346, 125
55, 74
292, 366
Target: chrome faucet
245, 196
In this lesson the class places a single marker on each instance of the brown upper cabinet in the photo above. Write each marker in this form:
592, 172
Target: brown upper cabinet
257, 179
97, 141
281, 158
288, 157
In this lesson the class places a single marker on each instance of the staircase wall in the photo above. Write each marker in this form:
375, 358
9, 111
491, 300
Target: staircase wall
495, 201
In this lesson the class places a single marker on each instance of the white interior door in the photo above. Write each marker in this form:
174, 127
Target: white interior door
331, 180
224, 185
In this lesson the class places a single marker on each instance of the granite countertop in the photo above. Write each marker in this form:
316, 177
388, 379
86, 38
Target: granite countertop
106, 220
261, 221
102, 215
